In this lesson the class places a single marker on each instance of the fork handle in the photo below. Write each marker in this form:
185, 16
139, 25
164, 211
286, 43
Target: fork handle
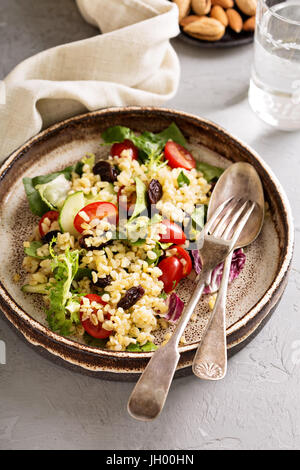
210, 361
149, 394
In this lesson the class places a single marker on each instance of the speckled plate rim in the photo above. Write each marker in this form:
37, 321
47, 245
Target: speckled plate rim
8, 304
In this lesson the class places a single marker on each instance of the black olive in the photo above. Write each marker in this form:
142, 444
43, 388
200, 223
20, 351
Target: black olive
131, 297
48, 237
106, 171
154, 192
83, 244
103, 281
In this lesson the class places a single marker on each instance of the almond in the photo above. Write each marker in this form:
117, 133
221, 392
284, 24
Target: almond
219, 14
184, 7
249, 24
207, 29
223, 3
189, 19
247, 6
201, 7
234, 20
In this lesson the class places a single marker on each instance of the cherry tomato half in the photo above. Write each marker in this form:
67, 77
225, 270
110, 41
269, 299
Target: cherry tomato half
95, 330
52, 216
172, 272
126, 206
178, 156
97, 210
117, 149
174, 234
183, 257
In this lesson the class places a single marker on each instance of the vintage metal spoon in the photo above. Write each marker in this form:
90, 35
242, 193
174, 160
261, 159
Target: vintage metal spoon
240, 179
149, 394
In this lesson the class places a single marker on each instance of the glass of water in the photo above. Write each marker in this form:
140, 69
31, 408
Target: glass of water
274, 92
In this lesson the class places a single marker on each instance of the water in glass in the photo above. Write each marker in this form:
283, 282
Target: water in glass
274, 92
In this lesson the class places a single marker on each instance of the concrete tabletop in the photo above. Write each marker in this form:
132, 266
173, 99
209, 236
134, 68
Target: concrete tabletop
257, 406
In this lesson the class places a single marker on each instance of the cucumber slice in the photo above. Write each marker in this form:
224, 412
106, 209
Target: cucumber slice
38, 289
72, 205
141, 202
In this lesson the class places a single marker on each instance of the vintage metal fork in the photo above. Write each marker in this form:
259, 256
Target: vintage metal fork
210, 360
150, 392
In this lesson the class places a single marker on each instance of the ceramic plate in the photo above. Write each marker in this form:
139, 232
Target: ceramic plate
252, 297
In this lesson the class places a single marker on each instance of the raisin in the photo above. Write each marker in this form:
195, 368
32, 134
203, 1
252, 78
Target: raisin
106, 171
131, 297
128, 206
213, 184
83, 244
154, 192
48, 237
103, 281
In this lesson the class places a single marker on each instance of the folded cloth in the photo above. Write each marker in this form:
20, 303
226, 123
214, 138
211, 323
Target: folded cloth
131, 63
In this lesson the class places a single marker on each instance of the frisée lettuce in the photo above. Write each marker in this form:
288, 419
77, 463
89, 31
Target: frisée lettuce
63, 311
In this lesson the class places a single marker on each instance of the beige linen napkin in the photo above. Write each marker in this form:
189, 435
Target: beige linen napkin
131, 63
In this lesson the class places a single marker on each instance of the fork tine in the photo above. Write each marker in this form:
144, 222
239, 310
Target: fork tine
241, 224
216, 214
225, 234
222, 223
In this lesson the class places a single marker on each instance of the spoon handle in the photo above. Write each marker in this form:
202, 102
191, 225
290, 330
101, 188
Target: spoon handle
149, 394
210, 361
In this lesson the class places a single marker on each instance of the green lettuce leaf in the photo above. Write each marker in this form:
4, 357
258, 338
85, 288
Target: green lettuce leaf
164, 246
173, 133
96, 342
158, 253
88, 159
32, 249
149, 346
139, 242
163, 295
116, 134
210, 172
182, 180
82, 273
148, 143
36, 203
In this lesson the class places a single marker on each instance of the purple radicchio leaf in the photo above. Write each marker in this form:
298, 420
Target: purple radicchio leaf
196, 261
237, 264
176, 306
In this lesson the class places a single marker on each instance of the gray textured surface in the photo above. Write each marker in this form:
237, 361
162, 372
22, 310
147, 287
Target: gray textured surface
257, 406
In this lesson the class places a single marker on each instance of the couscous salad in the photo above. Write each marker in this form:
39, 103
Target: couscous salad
116, 236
